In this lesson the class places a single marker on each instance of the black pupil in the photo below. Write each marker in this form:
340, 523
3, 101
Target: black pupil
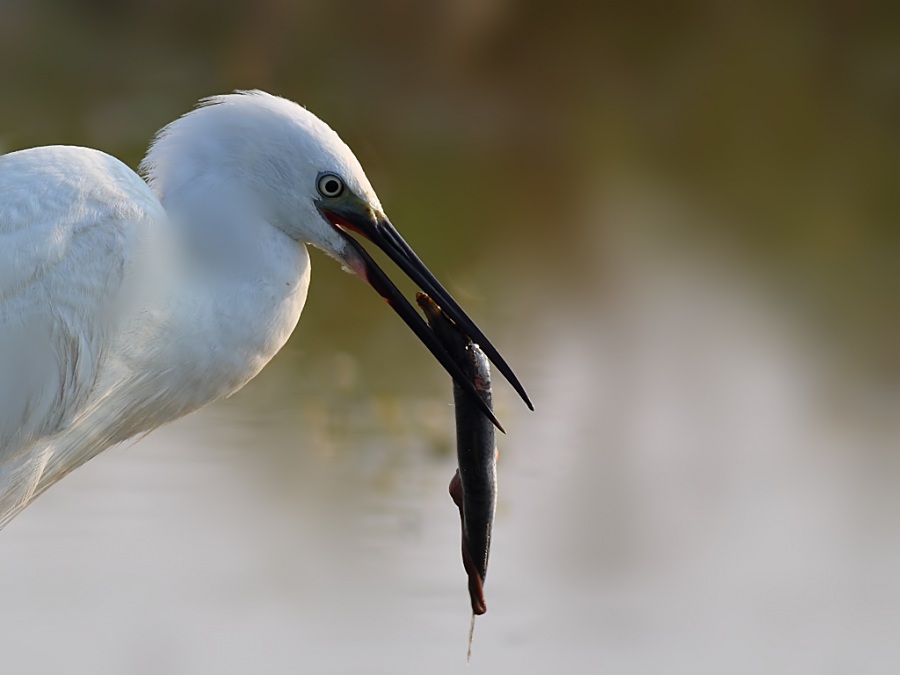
332, 186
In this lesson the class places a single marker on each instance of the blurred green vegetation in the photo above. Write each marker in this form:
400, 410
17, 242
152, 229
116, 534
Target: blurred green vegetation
490, 127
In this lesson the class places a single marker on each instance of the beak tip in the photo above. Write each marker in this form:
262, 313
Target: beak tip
497, 424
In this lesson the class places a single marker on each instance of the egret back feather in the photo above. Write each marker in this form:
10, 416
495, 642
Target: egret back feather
117, 317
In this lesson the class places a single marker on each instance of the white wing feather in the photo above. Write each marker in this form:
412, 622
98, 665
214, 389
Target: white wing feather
73, 223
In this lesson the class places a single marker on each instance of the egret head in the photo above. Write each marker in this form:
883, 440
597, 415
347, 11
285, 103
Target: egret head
274, 159
261, 156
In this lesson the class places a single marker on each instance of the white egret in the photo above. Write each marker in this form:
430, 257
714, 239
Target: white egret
126, 304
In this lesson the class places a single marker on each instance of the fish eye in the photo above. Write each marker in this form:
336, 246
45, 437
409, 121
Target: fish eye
330, 185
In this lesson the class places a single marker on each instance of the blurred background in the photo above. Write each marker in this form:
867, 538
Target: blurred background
680, 224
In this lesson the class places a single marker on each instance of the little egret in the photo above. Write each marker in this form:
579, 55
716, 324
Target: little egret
126, 304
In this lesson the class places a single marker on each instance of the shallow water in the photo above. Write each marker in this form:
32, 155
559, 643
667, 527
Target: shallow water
688, 497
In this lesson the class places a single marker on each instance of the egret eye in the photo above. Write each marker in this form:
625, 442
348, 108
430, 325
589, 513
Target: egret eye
330, 185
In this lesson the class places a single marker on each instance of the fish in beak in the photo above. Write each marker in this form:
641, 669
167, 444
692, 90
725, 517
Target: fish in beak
354, 216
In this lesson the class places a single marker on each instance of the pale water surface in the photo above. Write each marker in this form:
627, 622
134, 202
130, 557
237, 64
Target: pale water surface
691, 496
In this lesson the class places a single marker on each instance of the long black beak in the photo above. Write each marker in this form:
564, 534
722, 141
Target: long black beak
379, 231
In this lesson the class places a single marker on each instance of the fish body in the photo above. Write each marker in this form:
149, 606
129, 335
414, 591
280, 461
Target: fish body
474, 486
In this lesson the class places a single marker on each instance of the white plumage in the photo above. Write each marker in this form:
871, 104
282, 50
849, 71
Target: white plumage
125, 305
116, 317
